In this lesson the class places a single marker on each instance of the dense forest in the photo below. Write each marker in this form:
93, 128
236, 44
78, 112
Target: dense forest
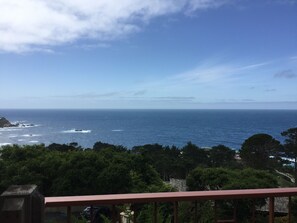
69, 169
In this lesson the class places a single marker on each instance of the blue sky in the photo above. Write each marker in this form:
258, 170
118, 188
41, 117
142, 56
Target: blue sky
171, 54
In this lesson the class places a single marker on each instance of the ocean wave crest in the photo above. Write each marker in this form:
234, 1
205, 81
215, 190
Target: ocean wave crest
31, 135
77, 131
33, 141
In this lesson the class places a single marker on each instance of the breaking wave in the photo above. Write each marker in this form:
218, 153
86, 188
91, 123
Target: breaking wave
77, 131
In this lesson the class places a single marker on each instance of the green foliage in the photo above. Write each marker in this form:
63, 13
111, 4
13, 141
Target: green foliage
193, 156
64, 147
260, 151
205, 212
98, 146
171, 162
223, 179
60, 171
222, 156
284, 219
166, 160
146, 215
227, 179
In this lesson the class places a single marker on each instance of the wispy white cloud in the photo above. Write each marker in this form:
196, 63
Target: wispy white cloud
253, 66
204, 74
37, 25
94, 46
212, 73
206, 4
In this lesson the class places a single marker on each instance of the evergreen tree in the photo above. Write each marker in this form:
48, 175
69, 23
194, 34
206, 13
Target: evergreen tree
260, 151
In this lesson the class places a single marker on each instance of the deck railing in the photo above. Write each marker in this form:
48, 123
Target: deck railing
172, 197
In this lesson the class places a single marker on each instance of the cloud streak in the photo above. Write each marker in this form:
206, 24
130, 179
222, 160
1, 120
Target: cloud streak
212, 73
38, 25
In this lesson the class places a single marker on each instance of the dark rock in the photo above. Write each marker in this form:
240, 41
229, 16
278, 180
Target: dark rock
5, 123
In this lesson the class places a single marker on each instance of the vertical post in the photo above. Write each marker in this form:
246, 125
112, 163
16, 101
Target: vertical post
195, 213
134, 217
113, 214
289, 209
253, 212
235, 211
215, 211
175, 212
271, 209
68, 214
155, 212
92, 214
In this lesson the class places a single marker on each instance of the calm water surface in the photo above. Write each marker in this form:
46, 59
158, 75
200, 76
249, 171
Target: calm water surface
205, 128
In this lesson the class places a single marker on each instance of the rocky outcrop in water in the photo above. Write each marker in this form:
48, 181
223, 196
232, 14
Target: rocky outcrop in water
5, 123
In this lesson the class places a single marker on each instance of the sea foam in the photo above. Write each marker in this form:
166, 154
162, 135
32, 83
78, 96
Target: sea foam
77, 131
33, 141
31, 135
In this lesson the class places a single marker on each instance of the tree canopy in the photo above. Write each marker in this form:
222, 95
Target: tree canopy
63, 171
260, 151
223, 179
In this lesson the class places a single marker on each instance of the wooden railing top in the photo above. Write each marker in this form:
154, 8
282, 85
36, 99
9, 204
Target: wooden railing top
167, 197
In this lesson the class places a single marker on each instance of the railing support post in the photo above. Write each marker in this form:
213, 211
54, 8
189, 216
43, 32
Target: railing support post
155, 212
92, 214
68, 214
134, 215
215, 211
113, 214
271, 209
195, 213
289, 209
254, 212
175, 212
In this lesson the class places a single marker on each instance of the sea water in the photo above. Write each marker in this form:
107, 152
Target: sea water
205, 128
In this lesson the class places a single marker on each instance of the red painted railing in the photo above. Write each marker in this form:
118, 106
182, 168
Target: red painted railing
173, 197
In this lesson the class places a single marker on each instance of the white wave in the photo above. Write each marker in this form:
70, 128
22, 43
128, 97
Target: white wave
77, 131
33, 141
9, 129
31, 135
13, 136
26, 125
21, 140
117, 130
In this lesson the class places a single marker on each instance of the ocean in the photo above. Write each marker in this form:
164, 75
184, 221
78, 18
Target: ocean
205, 128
